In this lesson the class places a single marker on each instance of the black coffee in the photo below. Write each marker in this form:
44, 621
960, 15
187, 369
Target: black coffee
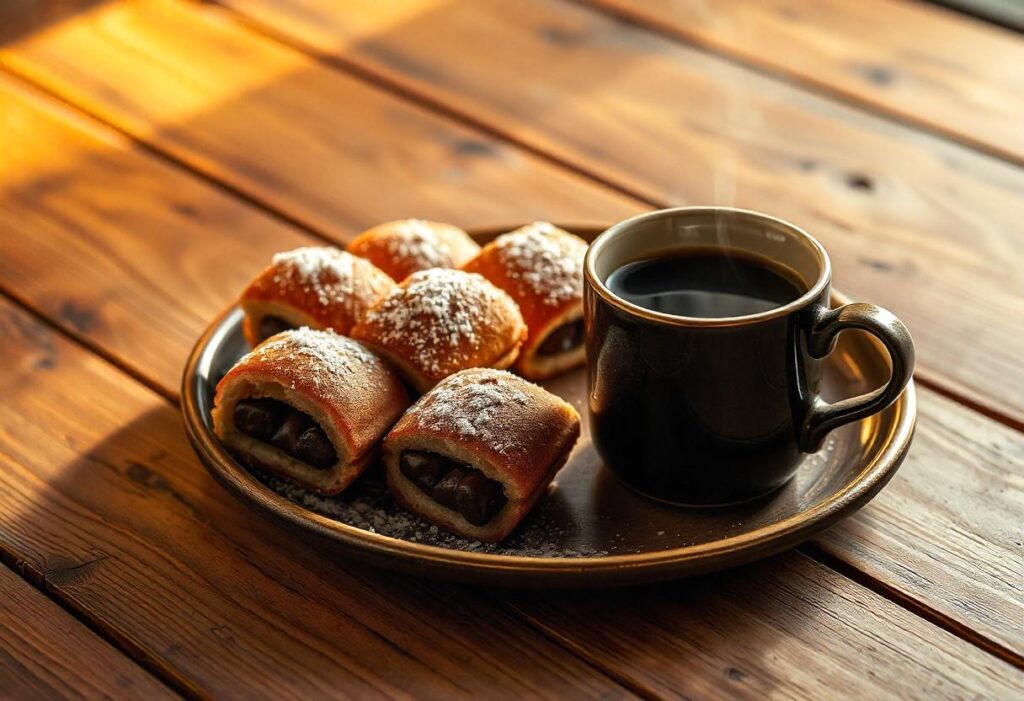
705, 283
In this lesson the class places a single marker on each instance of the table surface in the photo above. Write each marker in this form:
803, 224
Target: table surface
155, 153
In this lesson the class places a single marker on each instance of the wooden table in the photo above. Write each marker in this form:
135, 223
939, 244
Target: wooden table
155, 153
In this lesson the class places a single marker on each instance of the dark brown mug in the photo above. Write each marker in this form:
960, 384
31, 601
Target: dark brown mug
705, 411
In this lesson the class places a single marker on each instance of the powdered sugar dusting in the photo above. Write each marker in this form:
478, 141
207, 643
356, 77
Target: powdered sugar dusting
334, 357
436, 313
547, 260
369, 506
327, 272
471, 404
416, 241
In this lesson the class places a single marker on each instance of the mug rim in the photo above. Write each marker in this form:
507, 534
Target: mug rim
597, 284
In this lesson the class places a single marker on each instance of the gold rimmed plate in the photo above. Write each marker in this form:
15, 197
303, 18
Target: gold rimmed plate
589, 530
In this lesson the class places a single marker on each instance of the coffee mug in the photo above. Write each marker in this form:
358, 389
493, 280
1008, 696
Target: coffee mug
713, 409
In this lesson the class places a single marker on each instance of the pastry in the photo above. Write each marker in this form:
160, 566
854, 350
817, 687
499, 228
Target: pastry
440, 321
401, 248
318, 287
475, 453
541, 268
310, 406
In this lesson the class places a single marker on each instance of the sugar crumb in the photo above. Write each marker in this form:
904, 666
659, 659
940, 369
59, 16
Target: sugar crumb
416, 241
476, 404
368, 505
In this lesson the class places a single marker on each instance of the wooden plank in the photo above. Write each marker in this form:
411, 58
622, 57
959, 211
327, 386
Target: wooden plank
923, 226
81, 211
103, 502
911, 60
947, 530
958, 560
58, 260
47, 654
323, 148
814, 637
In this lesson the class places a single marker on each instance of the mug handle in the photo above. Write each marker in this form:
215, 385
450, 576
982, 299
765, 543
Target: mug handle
883, 325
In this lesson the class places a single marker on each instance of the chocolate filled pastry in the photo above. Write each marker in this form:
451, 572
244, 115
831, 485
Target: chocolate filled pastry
310, 406
541, 267
475, 453
440, 321
318, 287
401, 248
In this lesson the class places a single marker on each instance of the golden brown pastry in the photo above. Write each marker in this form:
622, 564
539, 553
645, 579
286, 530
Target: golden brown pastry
318, 287
440, 321
310, 406
401, 248
541, 267
475, 453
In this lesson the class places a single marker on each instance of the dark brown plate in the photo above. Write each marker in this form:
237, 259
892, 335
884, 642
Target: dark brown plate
589, 530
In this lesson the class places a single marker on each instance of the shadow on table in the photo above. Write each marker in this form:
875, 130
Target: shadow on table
19, 18
137, 535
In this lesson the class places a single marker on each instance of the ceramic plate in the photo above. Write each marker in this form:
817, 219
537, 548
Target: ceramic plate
589, 530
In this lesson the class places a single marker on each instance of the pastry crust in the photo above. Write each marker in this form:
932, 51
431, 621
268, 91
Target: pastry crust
513, 431
440, 321
401, 248
353, 396
541, 267
318, 287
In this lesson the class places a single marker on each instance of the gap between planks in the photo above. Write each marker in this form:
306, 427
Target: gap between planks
169, 158
919, 608
39, 582
782, 75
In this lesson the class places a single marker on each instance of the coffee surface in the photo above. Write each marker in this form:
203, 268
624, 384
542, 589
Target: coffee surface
704, 284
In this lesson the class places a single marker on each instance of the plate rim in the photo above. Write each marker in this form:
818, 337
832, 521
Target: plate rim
462, 564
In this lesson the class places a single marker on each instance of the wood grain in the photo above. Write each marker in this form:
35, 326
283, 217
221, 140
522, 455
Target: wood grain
82, 212
912, 60
47, 654
118, 519
323, 148
103, 503
961, 565
697, 639
75, 233
948, 528
913, 222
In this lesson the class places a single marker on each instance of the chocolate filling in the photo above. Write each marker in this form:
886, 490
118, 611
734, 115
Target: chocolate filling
454, 485
272, 325
563, 339
287, 429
